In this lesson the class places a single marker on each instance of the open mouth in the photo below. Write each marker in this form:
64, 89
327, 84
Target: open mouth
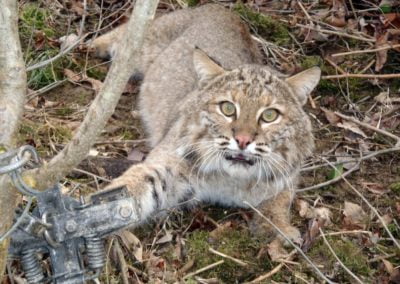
240, 158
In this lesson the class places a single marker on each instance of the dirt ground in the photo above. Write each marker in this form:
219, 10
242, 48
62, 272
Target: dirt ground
348, 206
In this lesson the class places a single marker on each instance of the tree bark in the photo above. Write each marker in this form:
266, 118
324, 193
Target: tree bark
12, 97
104, 104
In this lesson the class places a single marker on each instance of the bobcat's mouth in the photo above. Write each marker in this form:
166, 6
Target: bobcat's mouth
240, 158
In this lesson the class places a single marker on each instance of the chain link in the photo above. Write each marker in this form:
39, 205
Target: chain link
12, 162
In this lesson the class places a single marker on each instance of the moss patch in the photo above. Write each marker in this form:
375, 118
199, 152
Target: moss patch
236, 243
349, 253
264, 25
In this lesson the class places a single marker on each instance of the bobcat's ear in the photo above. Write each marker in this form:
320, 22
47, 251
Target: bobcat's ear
205, 67
304, 82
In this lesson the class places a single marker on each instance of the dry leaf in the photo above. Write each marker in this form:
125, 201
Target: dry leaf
312, 232
337, 15
388, 266
276, 250
375, 188
343, 157
337, 121
381, 56
132, 243
166, 238
355, 217
311, 212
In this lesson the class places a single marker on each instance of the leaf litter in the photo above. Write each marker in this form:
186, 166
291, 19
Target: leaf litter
165, 254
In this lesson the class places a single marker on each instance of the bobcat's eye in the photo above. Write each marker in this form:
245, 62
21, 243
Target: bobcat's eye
269, 115
228, 108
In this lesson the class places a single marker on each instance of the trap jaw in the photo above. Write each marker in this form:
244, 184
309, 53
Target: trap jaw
70, 233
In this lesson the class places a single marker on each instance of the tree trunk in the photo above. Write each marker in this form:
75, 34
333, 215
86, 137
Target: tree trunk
12, 94
12, 97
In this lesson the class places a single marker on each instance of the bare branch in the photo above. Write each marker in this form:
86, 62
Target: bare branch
103, 106
12, 97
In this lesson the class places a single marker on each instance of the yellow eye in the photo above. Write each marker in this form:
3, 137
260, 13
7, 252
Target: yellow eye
269, 115
227, 108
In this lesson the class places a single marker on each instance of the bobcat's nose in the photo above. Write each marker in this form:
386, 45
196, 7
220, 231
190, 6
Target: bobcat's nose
243, 140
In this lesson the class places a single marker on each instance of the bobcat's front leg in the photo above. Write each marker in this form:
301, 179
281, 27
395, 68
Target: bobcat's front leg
277, 209
156, 184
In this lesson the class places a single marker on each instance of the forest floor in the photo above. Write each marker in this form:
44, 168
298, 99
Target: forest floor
349, 197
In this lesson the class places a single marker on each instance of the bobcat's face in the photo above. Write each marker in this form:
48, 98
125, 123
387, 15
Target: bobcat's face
254, 126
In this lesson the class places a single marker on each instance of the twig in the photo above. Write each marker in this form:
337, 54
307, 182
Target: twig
348, 232
381, 131
208, 267
343, 34
366, 50
319, 272
365, 76
91, 174
338, 259
238, 261
379, 258
338, 68
332, 181
275, 270
105, 102
366, 157
122, 262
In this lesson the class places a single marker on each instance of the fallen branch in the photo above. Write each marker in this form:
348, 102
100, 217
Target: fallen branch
238, 261
275, 270
365, 76
338, 33
386, 47
332, 181
105, 102
366, 157
208, 267
365, 125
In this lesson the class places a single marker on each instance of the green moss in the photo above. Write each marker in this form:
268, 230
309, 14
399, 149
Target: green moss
395, 187
34, 18
264, 25
350, 254
233, 242
97, 73
192, 3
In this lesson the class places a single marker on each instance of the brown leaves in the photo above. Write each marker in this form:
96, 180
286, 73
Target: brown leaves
336, 120
354, 216
82, 78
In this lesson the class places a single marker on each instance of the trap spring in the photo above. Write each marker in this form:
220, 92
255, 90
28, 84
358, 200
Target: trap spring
62, 229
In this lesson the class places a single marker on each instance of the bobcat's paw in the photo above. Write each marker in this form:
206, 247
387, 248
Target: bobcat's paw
261, 228
292, 233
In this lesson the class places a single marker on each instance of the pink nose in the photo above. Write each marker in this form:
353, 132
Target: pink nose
243, 140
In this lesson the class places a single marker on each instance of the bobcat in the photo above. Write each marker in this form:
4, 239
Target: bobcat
223, 127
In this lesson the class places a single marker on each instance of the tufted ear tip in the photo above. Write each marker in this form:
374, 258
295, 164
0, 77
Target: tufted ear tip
304, 82
205, 67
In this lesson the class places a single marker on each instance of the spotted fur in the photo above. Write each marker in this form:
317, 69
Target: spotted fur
196, 153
